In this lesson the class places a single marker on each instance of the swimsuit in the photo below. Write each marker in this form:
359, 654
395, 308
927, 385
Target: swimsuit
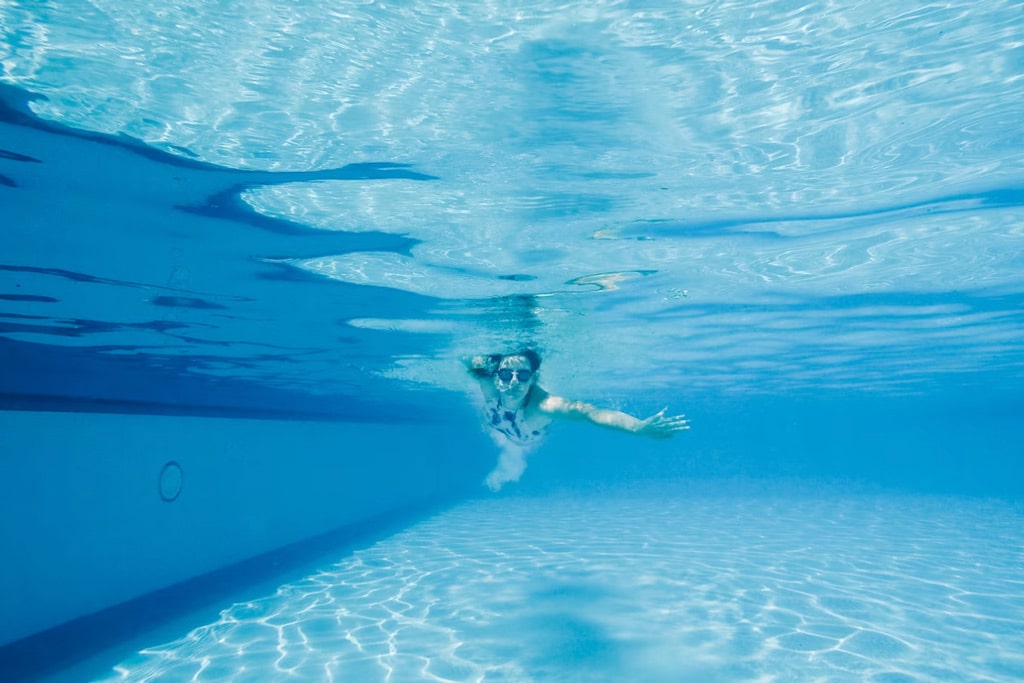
511, 423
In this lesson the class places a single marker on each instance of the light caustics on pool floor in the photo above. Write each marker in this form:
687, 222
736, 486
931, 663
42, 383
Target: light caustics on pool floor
651, 586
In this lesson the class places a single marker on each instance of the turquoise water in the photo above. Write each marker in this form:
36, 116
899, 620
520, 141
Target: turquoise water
672, 582
799, 223
667, 583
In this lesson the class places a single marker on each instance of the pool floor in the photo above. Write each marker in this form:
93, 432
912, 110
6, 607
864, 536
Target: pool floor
654, 583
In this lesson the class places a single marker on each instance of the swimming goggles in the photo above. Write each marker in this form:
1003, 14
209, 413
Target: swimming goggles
505, 375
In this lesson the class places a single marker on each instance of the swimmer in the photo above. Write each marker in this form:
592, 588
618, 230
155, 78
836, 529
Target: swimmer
520, 410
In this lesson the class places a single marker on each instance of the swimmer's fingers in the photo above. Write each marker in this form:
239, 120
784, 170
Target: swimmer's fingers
676, 422
663, 427
674, 425
673, 420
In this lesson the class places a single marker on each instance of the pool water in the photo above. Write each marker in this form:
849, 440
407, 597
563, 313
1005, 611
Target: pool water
254, 244
665, 582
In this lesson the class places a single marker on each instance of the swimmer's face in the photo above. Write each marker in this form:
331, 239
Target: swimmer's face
514, 376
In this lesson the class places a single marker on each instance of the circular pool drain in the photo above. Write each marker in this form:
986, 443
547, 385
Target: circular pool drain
170, 481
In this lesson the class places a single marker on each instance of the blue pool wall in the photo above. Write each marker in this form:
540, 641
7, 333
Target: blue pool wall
85, 525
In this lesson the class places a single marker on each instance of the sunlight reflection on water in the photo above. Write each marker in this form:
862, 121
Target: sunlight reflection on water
789, 157
644, 585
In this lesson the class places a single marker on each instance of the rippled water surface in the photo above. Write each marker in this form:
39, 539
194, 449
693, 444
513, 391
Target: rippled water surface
801, 223
760, 197
664, 584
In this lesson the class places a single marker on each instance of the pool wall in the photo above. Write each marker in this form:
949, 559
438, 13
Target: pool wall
99, 509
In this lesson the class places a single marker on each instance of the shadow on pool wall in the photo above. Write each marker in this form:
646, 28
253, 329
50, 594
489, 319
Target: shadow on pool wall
104, 508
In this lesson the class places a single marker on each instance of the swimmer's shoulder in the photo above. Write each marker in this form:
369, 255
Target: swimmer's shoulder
549, 403
559, 406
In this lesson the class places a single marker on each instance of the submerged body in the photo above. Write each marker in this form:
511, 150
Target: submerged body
513, 424
518, 411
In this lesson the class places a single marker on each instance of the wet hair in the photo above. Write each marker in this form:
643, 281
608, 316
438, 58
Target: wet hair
530, 355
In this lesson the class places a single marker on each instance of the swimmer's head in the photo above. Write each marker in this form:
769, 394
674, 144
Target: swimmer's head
517, 373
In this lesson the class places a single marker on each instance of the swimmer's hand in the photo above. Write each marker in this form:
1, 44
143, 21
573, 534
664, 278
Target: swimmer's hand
483, 366
658, 426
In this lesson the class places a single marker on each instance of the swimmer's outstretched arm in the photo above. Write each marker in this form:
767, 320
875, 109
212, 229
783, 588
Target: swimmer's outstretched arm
657, 426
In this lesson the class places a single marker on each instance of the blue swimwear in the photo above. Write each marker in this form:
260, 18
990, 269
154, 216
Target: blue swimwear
511, 423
